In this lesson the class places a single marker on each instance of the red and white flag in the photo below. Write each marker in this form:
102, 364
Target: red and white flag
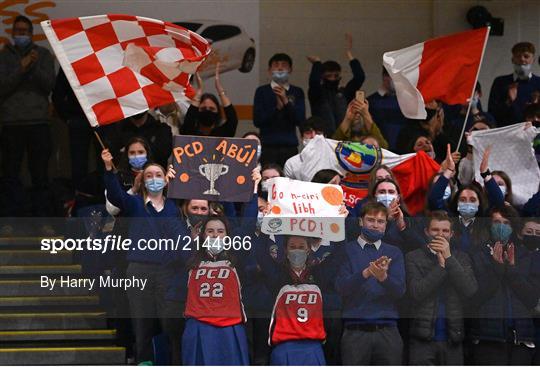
444, 69
122, 65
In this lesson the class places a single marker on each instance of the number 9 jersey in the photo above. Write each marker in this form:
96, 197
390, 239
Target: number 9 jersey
214, 295
297, 314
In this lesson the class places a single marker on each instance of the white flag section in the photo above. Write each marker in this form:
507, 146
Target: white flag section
512, 153
304, 209
403, 66
320, 153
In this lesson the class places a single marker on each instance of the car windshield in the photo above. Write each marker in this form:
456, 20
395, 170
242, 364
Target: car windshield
192, 26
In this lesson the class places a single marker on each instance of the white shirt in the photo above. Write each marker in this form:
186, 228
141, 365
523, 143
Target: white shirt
363, 243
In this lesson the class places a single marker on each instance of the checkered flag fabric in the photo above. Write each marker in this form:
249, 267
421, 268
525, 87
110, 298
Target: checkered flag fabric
122, 65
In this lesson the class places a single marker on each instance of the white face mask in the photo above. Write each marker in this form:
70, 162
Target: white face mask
215, 246
260, 217
503, 190
386, 199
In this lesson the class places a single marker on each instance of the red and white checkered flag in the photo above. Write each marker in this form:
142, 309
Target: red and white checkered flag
122, 65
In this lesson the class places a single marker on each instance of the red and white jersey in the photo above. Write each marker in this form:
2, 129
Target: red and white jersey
214, 294
297, 314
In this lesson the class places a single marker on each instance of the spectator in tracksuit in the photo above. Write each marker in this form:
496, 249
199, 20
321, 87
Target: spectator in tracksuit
440, 280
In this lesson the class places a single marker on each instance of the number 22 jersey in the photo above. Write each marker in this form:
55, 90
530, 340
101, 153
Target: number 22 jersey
214, 294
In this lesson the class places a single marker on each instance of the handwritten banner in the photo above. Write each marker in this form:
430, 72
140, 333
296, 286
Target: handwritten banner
216, 169
305, 209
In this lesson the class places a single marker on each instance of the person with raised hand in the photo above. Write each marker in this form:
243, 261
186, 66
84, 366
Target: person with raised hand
204, 116
152, 216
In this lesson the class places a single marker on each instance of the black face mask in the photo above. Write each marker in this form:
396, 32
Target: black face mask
208, 118
531, 242
195, 219
331, 84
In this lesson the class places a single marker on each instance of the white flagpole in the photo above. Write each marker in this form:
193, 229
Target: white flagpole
473, 89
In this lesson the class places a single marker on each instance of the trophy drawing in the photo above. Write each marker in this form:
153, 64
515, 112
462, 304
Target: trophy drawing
212, 171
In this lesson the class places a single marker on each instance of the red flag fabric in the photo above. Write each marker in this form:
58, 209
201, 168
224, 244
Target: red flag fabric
414, 176
443, 69
122, 65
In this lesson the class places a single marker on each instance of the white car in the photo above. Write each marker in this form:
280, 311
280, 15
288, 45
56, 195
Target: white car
231, 46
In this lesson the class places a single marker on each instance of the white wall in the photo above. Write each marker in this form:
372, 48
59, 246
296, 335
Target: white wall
317, 27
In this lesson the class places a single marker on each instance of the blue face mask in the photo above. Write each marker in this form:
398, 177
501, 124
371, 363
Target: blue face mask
501, 232
447, 193
280, 77
386, 199
137, 161
22, 41
154, 185
371, 235
467, 210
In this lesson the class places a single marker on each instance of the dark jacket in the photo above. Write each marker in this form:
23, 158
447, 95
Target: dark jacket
24, 96
510, 114
227, 129
505, 297
330, 104
157, 134
424, 278
278, 127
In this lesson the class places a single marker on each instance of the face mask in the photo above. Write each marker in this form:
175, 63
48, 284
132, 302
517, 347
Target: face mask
137, 161
503, 190
431, 154
522, 71
265, 186
331, 84
500, 232
259, 152
154, 185
447, 193
260, 217
22, 41
297, 258
280, 77
371, 235
195, 219
386, 199
531, 242
467, 210
215, 246
208, 118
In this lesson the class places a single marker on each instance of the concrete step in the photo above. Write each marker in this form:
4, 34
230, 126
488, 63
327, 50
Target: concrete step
39, 269
49, 301
35, 257
52, 320
62, 356
61, 335
13, 288
12, 243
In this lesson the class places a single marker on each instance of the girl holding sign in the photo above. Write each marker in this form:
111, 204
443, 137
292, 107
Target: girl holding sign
153, 216
297, 326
